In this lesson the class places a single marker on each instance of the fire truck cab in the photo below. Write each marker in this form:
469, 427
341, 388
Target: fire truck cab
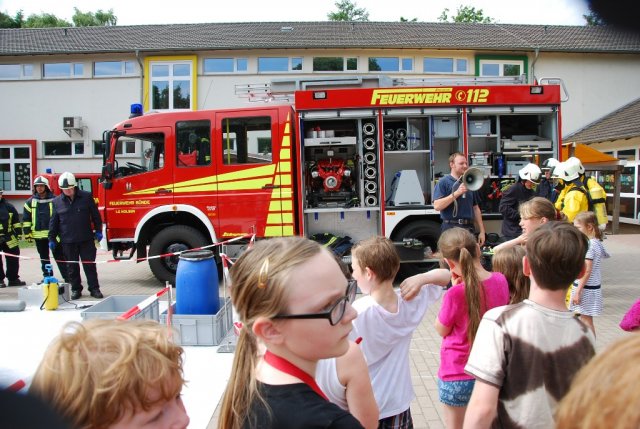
351, 162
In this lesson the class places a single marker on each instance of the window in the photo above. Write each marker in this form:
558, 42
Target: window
193, 143
279, 64
335, 64
63, 148
225, 65
15, 168
501, 66
57, 70
113, 68
385, 64
444, 65
123, 147
407, 64
171, 84
16, 71
147, 149
246, 140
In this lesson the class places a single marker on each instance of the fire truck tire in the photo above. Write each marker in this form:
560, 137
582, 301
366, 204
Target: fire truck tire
172, 239
428, 232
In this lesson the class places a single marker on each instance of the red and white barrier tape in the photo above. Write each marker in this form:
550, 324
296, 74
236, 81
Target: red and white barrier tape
220, 243
136, 309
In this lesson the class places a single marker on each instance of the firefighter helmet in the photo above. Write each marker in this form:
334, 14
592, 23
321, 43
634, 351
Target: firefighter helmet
530, 172
550, 164
41, 181
567, 171
66, 180
575, 161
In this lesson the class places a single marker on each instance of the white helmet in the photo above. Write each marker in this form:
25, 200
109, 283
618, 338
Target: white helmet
567, 171
575, 161
530, 172
550, 164
66, 180
41, 181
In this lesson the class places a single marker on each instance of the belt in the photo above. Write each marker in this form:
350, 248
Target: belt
458, 221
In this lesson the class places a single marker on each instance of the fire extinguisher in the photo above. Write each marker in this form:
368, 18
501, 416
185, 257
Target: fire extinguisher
50, 289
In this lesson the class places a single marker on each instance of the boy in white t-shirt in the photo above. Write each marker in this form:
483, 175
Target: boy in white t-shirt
386, 324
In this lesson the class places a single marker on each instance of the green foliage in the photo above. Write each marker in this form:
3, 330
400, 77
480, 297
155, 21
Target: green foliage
348, 11
403, 19
593, 19
90, 19
465, 14
8, 22
45, 20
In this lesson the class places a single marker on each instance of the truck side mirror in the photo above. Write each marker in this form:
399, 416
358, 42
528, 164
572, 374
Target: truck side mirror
107, 171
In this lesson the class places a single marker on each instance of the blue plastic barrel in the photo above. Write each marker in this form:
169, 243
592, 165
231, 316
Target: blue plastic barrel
197, 283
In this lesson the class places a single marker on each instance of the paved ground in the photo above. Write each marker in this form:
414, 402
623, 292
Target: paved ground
621, 289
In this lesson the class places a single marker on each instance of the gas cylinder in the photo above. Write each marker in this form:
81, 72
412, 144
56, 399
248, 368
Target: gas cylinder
50, 289
599, 198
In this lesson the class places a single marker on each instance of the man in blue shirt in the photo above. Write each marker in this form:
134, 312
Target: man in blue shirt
458, 207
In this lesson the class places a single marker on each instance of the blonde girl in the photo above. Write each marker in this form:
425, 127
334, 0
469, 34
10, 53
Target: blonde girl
474, 291
509, 262
586, 292
533, 213
291, 295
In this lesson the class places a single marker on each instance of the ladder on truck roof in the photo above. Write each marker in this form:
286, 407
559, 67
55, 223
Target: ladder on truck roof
283, 89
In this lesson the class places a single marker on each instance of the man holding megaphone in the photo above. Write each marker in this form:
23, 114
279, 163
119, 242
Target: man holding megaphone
455, 197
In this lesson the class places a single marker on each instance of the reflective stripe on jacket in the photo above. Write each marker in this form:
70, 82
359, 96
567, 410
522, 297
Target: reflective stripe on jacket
37, 215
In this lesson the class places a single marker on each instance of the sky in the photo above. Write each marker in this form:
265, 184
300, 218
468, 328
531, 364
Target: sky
139, 12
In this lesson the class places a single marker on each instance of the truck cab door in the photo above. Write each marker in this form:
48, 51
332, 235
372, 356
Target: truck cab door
253, 156
141, 180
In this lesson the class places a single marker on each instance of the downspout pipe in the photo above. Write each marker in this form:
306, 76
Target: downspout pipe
533, 66
137, 52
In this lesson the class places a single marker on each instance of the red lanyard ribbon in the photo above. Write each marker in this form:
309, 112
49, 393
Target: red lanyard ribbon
287, 367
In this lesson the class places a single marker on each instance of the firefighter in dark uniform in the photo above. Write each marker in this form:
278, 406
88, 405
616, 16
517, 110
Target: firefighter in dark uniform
519, 192
77, 221
35, 225
9, 226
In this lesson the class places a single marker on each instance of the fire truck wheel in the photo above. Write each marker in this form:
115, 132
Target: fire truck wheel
170, 240
428, 233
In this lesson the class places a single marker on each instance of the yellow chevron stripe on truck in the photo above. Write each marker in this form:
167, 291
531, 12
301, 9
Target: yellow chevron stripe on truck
280, 216
251, 178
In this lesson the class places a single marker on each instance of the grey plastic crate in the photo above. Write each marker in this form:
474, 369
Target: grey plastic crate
202, 329
445, 127
113, 306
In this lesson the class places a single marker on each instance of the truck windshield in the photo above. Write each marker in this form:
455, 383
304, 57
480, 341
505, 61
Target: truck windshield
138, 153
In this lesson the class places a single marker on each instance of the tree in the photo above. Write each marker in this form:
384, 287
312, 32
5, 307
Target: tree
90, 19
593, 18
7, 22
348, 11
45, 20
466, 14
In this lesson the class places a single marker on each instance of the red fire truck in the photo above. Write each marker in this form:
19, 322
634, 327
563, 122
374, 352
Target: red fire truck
349, 162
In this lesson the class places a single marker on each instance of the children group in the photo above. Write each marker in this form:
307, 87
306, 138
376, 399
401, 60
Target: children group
310, 355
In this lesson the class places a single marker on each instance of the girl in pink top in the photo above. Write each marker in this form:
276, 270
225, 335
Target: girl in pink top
474, 291
631, 320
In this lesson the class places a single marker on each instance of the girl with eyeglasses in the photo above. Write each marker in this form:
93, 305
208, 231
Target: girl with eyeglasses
290, 295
